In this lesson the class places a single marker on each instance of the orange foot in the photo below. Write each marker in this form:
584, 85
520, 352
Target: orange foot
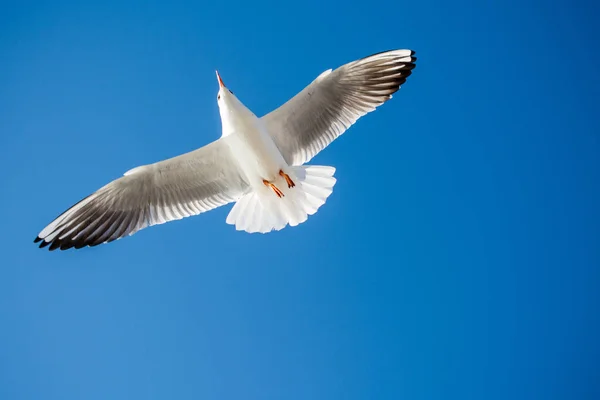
290, 182
278, 192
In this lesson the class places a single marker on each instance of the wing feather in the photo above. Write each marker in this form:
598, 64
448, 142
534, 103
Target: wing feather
148, 195
326, 108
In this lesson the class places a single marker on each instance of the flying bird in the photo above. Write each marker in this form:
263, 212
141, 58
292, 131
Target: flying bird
258, 163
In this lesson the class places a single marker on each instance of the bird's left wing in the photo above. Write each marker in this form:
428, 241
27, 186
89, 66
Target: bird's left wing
334, 101
152, 194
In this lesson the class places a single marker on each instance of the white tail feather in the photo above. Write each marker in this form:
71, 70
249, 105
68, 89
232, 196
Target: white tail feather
262, 211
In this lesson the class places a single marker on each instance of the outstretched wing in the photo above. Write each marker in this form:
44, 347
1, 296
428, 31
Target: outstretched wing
326, 108
152, 194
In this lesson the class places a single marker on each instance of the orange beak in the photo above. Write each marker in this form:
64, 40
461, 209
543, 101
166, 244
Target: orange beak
221, 84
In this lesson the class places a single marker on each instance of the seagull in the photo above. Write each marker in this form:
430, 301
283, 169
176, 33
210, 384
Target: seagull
258, 163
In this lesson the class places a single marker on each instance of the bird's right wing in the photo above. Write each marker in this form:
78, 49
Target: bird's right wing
152, 194
334, 101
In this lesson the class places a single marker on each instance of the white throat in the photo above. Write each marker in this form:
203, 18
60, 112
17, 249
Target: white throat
234, 114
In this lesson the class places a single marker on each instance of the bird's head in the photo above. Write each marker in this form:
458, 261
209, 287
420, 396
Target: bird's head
230, 108
225, 98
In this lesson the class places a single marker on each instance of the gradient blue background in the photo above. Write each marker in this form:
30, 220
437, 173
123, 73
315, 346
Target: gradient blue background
457, 258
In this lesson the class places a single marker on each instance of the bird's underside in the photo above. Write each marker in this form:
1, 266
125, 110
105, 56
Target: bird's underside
273, 186
213, 175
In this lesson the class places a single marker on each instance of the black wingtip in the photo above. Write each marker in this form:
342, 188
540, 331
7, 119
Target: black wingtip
37, 239
44, 244
412, 53
66, 246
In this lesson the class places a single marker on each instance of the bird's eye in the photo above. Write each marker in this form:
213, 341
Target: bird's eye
219, 96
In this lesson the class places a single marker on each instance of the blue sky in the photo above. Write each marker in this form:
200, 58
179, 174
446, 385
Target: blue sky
472, 271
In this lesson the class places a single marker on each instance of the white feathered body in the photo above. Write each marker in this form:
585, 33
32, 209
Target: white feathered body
252, 148
256, 154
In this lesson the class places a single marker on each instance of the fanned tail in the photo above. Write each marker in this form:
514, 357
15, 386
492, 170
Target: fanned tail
262, 211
